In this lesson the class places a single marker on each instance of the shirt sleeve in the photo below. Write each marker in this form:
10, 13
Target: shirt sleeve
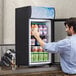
59, 46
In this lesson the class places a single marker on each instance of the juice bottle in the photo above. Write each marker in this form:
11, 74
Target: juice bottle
35, 27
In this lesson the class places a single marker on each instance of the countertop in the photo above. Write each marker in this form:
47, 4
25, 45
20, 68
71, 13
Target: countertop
25, 69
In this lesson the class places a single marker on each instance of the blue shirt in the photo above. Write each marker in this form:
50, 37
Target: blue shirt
67, 50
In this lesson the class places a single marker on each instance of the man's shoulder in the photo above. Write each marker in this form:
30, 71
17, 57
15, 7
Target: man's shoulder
64, 41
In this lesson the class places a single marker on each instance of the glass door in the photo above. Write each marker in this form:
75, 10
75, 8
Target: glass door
36, 53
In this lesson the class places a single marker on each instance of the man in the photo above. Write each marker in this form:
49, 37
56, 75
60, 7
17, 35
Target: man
66, 47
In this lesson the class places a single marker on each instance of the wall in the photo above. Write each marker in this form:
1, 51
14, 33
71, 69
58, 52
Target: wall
1, 20
1, 24
63, 8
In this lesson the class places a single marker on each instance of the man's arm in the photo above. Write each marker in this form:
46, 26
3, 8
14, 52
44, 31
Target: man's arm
36, 34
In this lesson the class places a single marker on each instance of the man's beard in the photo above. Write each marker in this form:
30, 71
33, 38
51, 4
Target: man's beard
69, 34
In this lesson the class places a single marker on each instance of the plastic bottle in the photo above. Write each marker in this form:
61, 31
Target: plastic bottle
35, 27
13, 63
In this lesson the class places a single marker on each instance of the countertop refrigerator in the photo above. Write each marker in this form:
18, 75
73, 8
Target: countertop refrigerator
28, 50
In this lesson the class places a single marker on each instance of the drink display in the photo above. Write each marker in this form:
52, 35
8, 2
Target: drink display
37, 52
28, 50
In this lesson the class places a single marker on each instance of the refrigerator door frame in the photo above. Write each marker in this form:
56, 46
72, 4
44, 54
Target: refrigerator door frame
56, 20
50, 58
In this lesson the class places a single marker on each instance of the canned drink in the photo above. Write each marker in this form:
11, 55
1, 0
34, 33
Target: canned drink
46, 56
40, 49
32, 41
34, 49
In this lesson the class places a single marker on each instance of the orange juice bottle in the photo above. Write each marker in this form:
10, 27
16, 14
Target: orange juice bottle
36, 27
32, 26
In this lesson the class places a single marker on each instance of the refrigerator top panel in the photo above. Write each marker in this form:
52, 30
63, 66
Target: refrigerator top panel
42, 12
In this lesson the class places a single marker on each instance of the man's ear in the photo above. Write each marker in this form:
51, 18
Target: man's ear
71, 28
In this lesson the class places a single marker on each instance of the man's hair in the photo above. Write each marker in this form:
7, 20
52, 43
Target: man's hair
71, 22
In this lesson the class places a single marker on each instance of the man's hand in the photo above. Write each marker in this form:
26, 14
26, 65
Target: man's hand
35, 33
34, 30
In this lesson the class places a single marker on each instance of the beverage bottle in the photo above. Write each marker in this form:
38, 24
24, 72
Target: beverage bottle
45, 30
13, 63
35, 26
40, 29
32, 26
